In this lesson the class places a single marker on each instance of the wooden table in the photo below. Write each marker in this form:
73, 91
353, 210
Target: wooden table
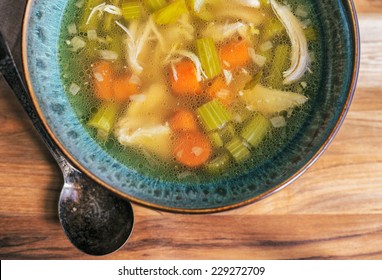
334, 211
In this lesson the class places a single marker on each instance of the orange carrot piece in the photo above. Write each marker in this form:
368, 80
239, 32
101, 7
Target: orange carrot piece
219, 89
123, 88
103, 80
234, 54
184, 80
183, 120
192, 149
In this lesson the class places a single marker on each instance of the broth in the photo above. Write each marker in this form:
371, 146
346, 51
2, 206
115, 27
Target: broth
187, 92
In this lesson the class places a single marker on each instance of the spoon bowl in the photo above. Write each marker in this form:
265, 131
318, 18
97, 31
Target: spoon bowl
96, 221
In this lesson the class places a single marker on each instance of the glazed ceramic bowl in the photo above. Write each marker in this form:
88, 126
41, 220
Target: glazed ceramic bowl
340, 43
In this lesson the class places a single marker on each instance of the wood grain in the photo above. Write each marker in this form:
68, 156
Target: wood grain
334, 211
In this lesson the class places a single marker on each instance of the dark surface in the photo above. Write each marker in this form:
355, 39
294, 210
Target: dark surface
11, 16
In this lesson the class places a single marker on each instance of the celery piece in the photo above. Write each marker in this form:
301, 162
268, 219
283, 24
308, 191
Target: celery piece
255, 80
215, 139
310, 34
109, 18
170, 13
83, 25
213, 115
103, 120
155, 4
218, 164
264, 3
227, 133
256, 129
271, 29
209, 57
238, 150
131, 10
280, 63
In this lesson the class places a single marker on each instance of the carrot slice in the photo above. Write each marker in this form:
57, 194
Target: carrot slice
183, 120
184, 80
123, 88
192, 149
103, 80
219, 89
234, 54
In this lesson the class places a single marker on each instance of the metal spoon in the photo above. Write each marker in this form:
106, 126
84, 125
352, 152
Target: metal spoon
96, 221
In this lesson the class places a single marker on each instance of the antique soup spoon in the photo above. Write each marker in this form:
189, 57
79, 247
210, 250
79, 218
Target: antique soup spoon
96, 221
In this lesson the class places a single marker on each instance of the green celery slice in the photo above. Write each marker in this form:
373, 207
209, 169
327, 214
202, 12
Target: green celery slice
213, 115
256, 130
131, 10
280, 63
103, 120
215, 139
238, 150
209, 57
170, 13
218, 164
228, 132
155, 4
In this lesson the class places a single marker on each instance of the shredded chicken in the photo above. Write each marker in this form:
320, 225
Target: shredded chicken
101, 8
299, 54
137, 39
220, 32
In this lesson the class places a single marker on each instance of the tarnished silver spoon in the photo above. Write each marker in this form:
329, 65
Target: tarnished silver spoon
96, 221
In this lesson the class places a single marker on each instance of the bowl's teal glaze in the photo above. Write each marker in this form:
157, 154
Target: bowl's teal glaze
340, 42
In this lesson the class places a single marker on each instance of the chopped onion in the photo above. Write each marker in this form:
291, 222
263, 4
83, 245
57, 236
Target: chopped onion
98, 76
304, 84
174, 72
77, 43
301, 12
79, 4
278, 121
92, 34
74, 89
266, 46
72, 28
108, 55
228, 76
134, 79
258, 59
306, 23
138, 97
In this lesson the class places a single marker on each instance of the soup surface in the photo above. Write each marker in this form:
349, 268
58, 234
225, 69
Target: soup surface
190, 90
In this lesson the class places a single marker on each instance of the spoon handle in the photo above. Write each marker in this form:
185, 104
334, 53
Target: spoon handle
13, 77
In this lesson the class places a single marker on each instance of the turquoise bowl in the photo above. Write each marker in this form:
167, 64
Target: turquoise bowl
339, 40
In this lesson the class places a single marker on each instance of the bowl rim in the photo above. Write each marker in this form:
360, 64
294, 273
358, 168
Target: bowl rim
353, 22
